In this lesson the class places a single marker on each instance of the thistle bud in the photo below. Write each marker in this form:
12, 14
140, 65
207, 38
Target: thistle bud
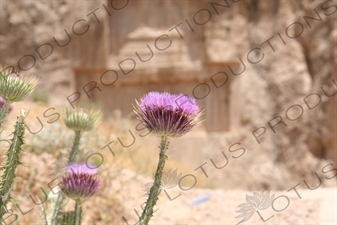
82, 120
15, 87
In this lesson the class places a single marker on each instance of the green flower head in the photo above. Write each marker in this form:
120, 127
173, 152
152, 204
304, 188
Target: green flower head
82, 120
14, 87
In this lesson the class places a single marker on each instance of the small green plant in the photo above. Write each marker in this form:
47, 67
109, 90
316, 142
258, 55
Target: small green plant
13, 160
14, 87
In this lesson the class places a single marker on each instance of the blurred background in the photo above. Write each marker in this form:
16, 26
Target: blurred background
264, 71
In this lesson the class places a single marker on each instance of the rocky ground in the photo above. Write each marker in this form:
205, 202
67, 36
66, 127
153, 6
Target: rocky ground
121, 198
315, 207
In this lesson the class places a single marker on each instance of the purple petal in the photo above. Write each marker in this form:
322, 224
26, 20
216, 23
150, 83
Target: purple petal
78, 168
79, 186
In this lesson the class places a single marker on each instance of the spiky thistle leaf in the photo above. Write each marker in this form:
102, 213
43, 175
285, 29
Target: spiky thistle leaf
13, 154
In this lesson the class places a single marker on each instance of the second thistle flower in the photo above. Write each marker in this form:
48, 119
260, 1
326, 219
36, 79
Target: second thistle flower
80, 182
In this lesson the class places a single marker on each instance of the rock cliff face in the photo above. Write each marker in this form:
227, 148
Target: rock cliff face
265, 71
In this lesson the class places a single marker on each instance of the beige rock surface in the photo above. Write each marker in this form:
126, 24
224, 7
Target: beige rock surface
174, 207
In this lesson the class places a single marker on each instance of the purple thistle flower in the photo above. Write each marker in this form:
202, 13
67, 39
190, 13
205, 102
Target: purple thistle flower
168, 114
80, 182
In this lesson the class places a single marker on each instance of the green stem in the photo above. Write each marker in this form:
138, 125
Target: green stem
13, 153
155, 189
76, 146
78, 212
4, 112
57, 208
60, 197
